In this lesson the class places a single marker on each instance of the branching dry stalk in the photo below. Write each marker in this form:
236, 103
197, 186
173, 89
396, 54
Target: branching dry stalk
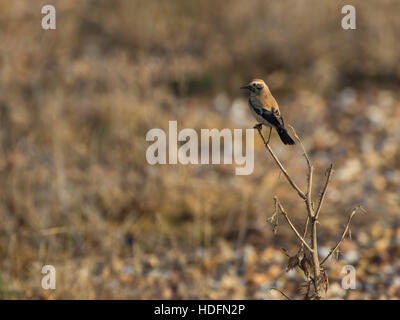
309, 263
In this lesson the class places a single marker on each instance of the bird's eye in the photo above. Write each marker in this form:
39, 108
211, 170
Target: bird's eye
254, 84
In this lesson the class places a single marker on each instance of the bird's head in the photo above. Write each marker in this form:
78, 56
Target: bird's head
255, 86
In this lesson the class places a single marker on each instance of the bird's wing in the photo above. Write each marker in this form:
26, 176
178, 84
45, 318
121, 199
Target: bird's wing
278, 116
273, 117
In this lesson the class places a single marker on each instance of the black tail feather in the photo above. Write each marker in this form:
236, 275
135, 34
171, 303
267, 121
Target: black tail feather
283, 134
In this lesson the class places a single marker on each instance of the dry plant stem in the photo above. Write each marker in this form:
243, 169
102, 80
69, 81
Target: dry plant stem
323, 193
342, 238
292, 183
305, 231
308, 198
315, 258
282, 293
313, 217
284, 213
309, 186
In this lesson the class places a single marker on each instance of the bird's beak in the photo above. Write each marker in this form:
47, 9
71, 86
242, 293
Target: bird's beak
247, 86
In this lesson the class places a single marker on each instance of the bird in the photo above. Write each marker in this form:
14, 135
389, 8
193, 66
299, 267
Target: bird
265, 110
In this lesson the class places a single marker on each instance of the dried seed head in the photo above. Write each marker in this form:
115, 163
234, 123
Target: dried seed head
324, 280
306, 265
293, 262
304, 289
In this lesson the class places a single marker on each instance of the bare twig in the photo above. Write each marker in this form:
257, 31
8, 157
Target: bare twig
284, 213
306, 227
323, 192
282, 293
292, 183
305, 232
342, 237
308, 198
309, 187
317, 270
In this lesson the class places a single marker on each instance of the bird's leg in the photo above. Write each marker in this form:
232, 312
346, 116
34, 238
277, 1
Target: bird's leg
258, 126
269, 136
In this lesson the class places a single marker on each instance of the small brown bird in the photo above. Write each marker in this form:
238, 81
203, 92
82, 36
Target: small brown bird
265, 109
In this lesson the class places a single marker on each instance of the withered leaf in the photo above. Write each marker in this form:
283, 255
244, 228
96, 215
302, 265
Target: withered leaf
293, 262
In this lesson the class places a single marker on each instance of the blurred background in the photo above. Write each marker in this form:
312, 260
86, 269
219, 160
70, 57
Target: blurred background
76, 191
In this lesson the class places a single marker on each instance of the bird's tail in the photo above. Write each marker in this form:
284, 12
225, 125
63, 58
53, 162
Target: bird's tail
283, 134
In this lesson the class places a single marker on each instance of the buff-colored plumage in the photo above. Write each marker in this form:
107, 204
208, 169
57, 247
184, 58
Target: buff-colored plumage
264, 96
265, 109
